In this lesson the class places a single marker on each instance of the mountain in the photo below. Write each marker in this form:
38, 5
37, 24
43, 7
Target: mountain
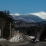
21, 23
40, 14
30, 17
43, 23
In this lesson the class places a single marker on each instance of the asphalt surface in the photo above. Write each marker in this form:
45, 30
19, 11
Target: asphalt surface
41, 44
29, 44
35, 44
32, 44
7, 43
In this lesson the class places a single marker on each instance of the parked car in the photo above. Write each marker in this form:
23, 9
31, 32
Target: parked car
34, 40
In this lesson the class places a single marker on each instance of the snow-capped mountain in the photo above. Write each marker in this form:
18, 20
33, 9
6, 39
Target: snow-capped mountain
40, 14
30, 17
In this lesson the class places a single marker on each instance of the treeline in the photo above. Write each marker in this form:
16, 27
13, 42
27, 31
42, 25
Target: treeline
5, 20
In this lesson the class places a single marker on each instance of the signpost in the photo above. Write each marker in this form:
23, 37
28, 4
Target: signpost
0, 32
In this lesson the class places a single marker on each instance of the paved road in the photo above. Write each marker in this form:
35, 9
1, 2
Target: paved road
29, 44
32, 44
35, 44
41, 44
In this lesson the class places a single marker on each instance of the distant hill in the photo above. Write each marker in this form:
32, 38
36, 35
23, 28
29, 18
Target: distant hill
28, 18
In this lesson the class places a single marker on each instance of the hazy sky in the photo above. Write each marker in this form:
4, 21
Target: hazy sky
23, 6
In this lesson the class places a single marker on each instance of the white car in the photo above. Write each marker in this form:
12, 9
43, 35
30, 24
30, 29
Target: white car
37, 40
33, 39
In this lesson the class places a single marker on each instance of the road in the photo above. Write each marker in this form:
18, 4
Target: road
41, 44
32, 44
35, 44
29, 44
7, 43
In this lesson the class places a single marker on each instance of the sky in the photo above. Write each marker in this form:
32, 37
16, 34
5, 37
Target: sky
23, 6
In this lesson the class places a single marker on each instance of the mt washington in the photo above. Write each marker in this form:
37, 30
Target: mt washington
30, 17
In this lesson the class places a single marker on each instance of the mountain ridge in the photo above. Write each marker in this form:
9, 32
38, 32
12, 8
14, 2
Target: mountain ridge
30, 17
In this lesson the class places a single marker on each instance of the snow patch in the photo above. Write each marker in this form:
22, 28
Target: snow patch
32, 37
16, 14
16, 38
40, 14
2, 39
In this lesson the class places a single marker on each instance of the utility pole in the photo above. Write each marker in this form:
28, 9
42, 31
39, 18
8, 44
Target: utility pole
2, 27
10, 30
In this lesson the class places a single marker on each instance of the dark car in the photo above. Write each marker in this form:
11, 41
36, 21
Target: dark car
33, 40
